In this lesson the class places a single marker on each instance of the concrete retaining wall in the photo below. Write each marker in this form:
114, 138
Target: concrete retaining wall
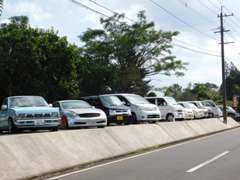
27, 155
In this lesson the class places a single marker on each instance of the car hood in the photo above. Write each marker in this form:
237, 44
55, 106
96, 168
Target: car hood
121, 107
35, 109
84, 110
177, 107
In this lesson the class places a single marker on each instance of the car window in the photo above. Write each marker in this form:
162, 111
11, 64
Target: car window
109, 101
27, 101
161, 102
75, 104
153, 101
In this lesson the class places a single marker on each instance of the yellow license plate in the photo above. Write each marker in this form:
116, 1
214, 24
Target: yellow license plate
119, 118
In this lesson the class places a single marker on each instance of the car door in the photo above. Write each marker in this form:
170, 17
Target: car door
162, 105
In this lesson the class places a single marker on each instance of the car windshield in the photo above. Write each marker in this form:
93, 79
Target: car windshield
111, 101
189, 105
27, 101
136, 99
209, 103
231, 109
75, 104
171, 101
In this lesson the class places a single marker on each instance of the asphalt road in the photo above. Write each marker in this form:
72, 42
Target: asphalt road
215, 157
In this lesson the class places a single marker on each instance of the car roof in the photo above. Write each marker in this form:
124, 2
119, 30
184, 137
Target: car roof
155, 97
61, 101
24, 96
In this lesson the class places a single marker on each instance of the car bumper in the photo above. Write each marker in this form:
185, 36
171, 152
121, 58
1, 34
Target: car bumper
149, 116
37, 123
120, 118
88, 123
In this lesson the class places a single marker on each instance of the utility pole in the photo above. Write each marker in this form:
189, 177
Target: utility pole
222, 31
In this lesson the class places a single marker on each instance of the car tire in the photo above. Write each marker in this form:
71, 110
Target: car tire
100, 126
170, 118
211, 115
64, 123
54, 129
134, 119
11, 127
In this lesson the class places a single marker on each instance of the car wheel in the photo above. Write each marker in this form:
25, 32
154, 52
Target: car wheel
170, 118
64, 122
211, 115
134, 119
54, 129
11, 127
100, 126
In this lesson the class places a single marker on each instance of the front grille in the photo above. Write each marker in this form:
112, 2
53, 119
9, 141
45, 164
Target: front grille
80, 123
89, 115
153, 116
121, 111
36, 116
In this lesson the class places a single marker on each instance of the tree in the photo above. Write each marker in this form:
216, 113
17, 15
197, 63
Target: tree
197, 91
36, 61
127, 54
175, 91
1, 7
232, 81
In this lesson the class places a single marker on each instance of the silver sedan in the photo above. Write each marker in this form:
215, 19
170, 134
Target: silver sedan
78, 113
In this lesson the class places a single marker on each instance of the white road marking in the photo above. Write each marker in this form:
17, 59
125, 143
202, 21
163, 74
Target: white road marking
207, 162
139, 155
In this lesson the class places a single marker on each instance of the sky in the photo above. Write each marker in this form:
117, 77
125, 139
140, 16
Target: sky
196, 20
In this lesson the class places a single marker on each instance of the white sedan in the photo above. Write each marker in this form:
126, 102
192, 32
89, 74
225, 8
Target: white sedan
78, 113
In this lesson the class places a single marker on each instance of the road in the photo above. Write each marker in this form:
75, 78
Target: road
216, 157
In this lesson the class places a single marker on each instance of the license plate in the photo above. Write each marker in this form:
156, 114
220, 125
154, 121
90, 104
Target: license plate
119, 118
39, 122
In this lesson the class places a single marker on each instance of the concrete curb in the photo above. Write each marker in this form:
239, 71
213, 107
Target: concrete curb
41, 155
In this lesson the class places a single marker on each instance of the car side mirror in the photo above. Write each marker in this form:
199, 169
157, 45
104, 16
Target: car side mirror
4, 107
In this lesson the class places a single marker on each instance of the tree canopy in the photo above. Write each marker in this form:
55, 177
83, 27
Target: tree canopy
36, 61
125, 54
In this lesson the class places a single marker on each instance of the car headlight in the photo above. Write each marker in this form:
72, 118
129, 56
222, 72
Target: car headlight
72, 114
129, 112
55, 114
112, 112
148, 108
21, 116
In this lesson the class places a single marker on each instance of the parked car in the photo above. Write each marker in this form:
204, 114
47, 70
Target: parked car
231, 112
198, 113
215, 109
207, 111
169, 108
28, 112
115, 110
78, 113
188, 114
142, 110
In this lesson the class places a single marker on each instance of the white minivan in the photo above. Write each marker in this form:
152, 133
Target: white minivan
142, 110
169, 108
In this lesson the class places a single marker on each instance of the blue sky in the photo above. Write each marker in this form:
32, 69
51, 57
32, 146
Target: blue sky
71, 20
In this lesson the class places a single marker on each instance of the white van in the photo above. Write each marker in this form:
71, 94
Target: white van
142, 110
169, 108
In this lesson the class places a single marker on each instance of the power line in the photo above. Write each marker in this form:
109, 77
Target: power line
206, 6
108, 9
195, 50
186, 5
179, 19
192, 45
89, 8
